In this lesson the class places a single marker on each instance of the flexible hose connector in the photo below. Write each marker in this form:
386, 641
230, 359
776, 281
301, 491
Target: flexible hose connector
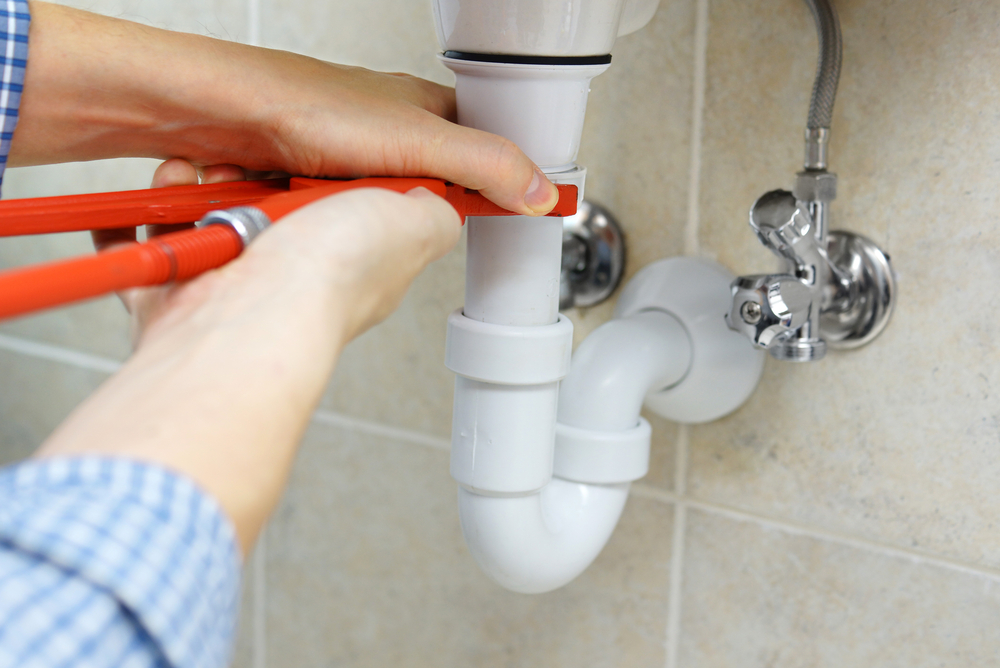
825, 87
828, 70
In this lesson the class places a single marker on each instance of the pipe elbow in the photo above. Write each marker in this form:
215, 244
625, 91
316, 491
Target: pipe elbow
535, 523
539, 542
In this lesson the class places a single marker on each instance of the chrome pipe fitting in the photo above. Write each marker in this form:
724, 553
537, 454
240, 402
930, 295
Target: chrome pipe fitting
247, 221
817, 145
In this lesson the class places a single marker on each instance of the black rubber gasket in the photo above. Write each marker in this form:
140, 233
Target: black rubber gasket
528, 60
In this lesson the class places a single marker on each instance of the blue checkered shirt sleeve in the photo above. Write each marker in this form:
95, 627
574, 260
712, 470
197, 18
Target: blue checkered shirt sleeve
14, 20
106, 562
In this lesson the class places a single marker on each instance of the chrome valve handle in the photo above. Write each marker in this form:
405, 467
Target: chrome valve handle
785, 226
769, 309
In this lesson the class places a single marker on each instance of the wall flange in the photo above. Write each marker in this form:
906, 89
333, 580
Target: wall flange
865, 301
593, 257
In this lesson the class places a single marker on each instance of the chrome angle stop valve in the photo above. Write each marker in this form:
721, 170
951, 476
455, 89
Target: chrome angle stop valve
837, 289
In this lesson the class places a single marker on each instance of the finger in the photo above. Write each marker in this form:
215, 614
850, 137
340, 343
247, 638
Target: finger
175, 172
105, 239
485, 162
441, 217
222, 174
182, 173
397, 86
432, 97
153, 230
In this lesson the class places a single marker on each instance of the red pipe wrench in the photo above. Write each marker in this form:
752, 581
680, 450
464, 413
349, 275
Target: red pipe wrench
230, 214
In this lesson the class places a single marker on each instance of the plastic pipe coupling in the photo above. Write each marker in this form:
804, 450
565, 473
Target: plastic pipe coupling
503, 430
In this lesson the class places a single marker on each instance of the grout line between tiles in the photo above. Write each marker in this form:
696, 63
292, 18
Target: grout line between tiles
50, 353
796, 529
106, 365
691, 228
675, 597
332, 419
81, 360
259, 653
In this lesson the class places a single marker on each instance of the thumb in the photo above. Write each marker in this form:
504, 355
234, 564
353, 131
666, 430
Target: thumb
494, 166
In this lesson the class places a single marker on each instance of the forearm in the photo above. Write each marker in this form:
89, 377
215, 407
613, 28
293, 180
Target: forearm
98, 87
221, 391
226, 377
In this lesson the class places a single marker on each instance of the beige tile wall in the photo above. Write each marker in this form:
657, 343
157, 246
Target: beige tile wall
844, 517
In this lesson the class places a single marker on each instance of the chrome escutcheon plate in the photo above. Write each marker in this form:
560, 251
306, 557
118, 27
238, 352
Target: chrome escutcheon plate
858, 313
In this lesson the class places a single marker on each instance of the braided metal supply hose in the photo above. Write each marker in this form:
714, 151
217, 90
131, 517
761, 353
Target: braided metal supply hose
827, 79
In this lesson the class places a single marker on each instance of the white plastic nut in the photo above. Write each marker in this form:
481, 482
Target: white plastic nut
602, 457
506, 355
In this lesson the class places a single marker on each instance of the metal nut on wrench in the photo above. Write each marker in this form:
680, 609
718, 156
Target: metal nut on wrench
247, 221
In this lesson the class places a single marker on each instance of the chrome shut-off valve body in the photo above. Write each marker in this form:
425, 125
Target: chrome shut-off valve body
837, 290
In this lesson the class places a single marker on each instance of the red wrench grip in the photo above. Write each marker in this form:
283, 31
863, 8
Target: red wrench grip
177, 256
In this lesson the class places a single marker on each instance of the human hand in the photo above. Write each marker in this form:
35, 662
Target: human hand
334, 120
366, 246
144, 304
95, 87
231, 365
375, 264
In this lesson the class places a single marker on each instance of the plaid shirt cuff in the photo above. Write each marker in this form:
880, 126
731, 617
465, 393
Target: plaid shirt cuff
14, 22
151, 540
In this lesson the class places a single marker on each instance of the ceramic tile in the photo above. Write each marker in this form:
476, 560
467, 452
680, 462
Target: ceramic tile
383, 35
662, 456
99, 327
395, 373
244, 647
757, 598
637, 141
367, 567
226, 19
897, 442
760, 63
77, 178
35, 396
